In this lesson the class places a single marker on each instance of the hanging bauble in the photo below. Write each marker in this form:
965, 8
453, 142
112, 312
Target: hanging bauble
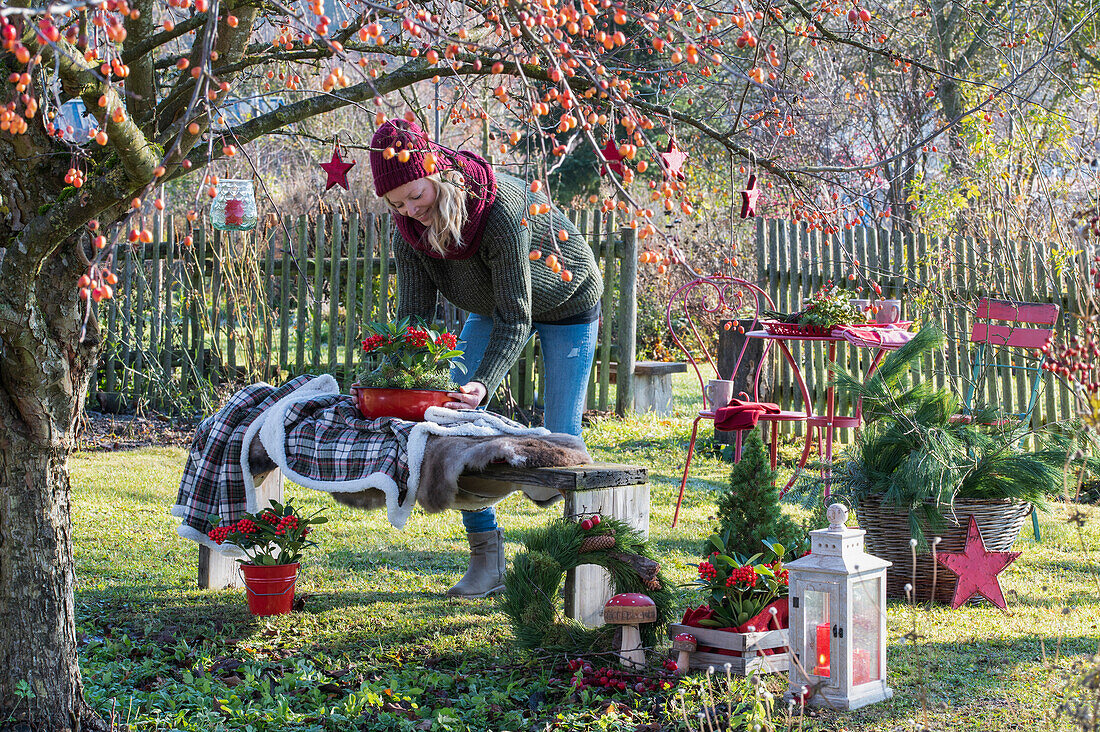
234, 206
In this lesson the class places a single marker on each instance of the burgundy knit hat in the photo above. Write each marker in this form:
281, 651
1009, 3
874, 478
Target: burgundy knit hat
402, 135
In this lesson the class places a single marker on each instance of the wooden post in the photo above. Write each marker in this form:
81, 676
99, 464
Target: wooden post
216, 572
628, 323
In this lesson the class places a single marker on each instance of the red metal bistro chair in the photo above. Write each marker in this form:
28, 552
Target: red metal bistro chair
720, 296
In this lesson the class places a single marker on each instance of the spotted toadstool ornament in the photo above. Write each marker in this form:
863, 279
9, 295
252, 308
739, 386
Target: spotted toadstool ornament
630, 609
685, 644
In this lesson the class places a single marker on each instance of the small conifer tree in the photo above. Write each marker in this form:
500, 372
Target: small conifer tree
748, 508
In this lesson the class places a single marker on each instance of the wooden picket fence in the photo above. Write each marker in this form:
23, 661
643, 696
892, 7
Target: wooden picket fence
236, 307
938, 281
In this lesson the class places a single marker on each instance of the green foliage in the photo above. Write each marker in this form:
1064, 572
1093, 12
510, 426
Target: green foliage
748, 507
913, 455
827, 307
532, 585
409, 355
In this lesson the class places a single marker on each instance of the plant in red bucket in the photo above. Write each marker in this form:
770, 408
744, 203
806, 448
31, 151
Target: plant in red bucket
272, 541
411, 369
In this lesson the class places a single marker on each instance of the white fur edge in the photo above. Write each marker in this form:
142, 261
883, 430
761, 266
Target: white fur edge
443, 421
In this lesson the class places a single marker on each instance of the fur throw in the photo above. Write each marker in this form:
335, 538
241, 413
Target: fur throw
446, 457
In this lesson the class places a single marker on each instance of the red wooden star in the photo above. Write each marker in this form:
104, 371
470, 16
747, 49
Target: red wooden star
977, 569
674, 159
337, 171
611, 154
749, 197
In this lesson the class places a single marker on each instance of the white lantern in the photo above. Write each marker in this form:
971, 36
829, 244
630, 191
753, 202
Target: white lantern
838, 620
234, 206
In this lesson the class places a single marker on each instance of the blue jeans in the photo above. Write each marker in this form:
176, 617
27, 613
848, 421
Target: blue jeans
567, 353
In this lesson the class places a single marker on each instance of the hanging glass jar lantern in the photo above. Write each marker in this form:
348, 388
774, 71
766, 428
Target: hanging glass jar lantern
234, 206
838, 620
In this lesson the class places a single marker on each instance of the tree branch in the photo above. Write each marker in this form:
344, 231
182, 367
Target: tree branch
140, 90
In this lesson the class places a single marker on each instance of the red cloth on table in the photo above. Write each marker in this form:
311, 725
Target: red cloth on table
890, 336
762, 622
741, 415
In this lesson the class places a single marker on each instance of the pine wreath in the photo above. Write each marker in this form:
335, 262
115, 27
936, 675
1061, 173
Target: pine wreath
532, 587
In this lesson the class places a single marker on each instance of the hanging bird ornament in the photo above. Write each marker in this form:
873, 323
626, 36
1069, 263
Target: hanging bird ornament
336, 169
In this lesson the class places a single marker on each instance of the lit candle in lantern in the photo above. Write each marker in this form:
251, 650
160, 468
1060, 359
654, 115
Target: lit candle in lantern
822, 667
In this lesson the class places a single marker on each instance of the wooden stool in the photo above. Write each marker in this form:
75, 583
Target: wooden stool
614, 491
653, 385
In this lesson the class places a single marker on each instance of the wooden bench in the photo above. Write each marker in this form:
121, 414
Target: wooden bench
653, 384
617, 491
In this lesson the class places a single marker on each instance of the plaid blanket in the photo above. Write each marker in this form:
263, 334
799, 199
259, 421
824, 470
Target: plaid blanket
319, 439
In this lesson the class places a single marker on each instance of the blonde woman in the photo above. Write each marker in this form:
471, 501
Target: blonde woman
467, 233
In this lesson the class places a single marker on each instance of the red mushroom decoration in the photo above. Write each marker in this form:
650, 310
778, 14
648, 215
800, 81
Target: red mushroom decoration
686, 644
630, 609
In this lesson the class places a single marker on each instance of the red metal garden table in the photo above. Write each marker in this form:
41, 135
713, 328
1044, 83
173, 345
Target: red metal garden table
830, 421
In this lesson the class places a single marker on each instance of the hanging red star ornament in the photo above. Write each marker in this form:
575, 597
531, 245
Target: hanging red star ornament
674, 158
749, 197
337, 170
977, 568
611, 154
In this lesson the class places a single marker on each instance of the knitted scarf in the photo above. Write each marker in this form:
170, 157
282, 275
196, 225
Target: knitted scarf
481, 192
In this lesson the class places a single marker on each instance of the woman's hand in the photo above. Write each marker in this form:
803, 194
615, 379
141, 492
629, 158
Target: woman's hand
468, 396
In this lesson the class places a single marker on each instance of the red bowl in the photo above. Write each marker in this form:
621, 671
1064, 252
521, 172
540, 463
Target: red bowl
408, 404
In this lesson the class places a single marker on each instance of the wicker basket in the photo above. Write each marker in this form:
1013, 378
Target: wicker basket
795, 329
887, 537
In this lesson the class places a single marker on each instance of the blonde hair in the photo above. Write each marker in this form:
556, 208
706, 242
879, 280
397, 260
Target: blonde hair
449, 215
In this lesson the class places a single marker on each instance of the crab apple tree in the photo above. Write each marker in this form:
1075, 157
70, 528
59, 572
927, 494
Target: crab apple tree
176, 88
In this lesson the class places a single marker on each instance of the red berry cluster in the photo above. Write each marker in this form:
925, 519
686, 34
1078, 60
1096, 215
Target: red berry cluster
416, 337
269, 517
614, 680
448, 340
374, 342
246, 526
781, 576
287, 523
707, 571
742, 575
220, 533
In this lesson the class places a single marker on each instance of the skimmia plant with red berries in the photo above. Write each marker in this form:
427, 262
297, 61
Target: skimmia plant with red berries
737, 588
407, 354
275, 535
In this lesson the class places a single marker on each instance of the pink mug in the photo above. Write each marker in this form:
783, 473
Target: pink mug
889, 311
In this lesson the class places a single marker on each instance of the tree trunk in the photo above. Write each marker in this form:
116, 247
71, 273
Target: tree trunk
45, 367
38, 645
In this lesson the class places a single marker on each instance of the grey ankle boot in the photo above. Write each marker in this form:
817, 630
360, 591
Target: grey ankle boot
486, 573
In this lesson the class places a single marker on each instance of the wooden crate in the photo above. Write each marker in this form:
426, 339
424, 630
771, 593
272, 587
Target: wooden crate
748, 644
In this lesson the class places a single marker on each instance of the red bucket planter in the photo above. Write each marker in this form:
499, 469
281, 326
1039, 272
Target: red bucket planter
407, 404
270, 588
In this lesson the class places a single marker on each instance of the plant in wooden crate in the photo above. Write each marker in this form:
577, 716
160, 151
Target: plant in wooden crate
272, 541
411, 369
744, 589
916, 470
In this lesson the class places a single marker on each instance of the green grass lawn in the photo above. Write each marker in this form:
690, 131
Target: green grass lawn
378, 646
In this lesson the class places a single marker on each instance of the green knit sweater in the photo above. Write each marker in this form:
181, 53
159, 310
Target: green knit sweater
500, 281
